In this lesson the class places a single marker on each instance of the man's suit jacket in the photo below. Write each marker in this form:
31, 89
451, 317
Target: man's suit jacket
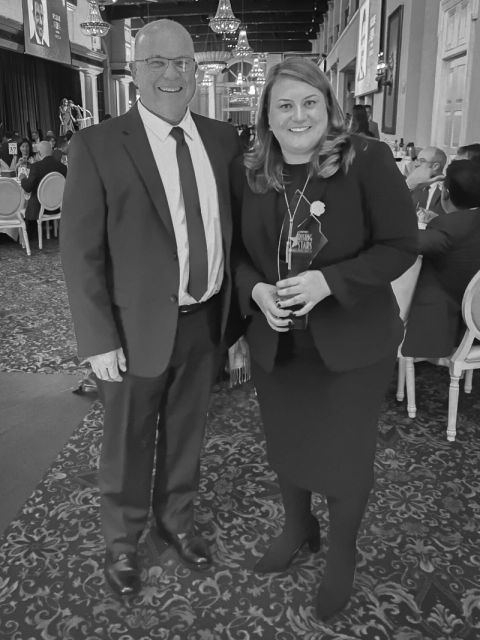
371, 228
39, 170
420, 198
451, 256
118, 244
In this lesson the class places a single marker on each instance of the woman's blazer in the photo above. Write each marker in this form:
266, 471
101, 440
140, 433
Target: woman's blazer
371, 227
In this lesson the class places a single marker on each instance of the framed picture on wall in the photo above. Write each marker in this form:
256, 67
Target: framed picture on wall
392, 58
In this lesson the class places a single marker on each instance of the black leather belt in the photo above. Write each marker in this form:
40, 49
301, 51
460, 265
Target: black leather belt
196, 306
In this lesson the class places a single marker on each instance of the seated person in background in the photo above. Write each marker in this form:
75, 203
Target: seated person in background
469, 152
38, 170
25, 157
372, 125
56, 151
36, 138
7, 159
451, 256
424, 181
359, 123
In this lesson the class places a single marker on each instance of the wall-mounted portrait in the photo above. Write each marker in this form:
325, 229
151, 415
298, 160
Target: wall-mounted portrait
392, 58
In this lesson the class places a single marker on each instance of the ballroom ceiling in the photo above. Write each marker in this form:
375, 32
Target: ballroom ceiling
273, 26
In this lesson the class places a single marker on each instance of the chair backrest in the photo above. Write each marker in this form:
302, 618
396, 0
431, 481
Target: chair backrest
50, 190
471, 305
10, 196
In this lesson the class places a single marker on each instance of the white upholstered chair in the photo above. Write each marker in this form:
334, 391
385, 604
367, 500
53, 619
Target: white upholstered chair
11, 203
463, 360
50, 195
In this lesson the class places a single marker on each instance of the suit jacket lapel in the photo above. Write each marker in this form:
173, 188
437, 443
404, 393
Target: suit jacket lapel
138, 148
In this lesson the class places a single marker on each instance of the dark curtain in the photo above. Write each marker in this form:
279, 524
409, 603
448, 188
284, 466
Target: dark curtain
31, 90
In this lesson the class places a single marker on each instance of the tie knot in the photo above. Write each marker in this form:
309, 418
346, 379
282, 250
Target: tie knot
177, 134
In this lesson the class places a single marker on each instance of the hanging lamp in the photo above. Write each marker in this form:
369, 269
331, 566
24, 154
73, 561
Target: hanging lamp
224, 20
242, 49
94, 26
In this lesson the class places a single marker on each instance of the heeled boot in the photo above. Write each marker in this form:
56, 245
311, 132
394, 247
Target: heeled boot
345, 516
300, 528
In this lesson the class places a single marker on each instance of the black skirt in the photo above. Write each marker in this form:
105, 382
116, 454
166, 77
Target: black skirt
320, 425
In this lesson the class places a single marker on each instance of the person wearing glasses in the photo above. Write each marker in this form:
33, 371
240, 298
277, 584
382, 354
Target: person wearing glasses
146, 238
327, 223
425, 180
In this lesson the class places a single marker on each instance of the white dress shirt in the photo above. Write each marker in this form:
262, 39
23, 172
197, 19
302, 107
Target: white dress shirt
164, 151
431, 191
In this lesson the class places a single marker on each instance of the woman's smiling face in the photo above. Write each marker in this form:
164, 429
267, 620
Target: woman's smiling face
298, 118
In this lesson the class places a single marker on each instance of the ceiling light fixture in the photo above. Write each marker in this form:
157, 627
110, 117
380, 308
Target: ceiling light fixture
224, 20
94, 26
242, 49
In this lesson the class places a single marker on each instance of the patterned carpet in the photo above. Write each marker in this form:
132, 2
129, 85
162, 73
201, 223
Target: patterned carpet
418, 574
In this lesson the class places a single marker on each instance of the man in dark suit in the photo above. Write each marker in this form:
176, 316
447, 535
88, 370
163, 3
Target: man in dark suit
425, 181
39, 170
451, 256
146, 238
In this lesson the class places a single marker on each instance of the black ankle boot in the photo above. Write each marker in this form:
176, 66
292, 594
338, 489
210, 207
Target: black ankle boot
336, 587
287, 545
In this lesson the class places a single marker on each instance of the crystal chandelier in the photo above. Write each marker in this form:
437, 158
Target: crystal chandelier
95, 26
224, 20
242, 49
207, 80
211, 62
257, 73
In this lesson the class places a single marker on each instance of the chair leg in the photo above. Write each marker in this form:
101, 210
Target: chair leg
410, 379
401, 378
25, 239
467, 387
453, 392
55, 228
40, 239
47, 229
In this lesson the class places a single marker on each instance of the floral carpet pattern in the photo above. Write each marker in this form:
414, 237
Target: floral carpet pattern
418, 574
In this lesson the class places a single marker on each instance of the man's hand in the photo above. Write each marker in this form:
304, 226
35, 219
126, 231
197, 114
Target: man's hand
421, 177
107, 366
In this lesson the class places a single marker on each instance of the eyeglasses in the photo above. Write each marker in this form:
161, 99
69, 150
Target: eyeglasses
424, 161
160, 64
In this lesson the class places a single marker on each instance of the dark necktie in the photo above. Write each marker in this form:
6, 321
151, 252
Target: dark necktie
197, 244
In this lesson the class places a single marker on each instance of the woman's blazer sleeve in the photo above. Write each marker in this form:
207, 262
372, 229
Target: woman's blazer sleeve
392, 245
244, 273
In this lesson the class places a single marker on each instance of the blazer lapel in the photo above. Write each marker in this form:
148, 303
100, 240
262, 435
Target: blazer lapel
138, 148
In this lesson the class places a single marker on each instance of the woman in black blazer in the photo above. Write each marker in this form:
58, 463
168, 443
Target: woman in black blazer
327, 223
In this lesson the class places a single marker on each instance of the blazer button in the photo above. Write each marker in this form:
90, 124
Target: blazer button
174, 298
175, 256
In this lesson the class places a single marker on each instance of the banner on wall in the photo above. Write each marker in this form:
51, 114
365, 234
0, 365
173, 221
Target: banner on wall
368, 47
45, 27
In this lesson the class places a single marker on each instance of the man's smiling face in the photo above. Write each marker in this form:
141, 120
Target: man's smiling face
164, 92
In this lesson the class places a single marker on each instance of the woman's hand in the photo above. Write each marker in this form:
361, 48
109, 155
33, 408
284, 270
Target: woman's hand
307, 289
265, 295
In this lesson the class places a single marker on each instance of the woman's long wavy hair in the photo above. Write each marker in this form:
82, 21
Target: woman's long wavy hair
334, 149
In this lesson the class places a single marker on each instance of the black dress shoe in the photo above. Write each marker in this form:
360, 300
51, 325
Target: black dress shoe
121, 574
192, 549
